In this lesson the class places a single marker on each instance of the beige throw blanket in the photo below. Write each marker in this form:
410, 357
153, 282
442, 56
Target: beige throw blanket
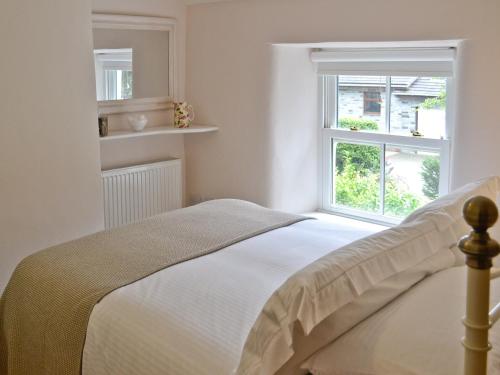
46, 306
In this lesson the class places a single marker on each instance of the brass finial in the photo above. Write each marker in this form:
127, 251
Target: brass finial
480, 213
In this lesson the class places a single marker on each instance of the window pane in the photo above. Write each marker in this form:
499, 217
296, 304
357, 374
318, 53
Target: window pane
411, 179
118, 84
357, 176
418, 103
110, 84
361, 102
127, 83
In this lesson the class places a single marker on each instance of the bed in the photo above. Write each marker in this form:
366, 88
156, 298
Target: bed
271, 293
418, 333
217, 300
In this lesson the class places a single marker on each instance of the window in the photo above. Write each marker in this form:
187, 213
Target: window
385, 138
372, 103
117, 84
114, 74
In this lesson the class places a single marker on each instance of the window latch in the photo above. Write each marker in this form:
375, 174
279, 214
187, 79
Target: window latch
416, 133
354, 128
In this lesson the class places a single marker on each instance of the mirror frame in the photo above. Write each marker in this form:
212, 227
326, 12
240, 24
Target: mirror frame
121, 22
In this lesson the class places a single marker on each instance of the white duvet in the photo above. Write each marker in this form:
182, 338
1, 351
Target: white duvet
194, 318
233, 311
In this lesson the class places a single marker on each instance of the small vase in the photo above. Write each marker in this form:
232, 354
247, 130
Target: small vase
183, 115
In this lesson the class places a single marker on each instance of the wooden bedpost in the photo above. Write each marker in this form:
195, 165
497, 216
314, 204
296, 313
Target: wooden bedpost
480, 213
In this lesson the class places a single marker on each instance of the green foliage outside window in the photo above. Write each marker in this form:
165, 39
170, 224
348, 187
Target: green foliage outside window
430, 175
356, 190
361, 124
399, 201
364, 158
357, 183
438, 102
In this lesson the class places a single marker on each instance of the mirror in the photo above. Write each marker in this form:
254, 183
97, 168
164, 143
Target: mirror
134, 63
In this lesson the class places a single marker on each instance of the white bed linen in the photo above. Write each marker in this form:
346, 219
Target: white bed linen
417, 334
194, 317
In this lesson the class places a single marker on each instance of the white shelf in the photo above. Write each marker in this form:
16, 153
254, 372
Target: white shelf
122, 134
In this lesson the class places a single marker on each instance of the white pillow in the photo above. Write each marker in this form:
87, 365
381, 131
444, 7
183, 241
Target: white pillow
404, 255
446, 212
448, 209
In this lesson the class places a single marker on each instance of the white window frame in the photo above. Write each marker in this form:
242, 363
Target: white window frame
329, 133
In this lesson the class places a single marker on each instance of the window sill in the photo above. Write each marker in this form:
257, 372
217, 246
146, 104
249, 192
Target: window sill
335, 218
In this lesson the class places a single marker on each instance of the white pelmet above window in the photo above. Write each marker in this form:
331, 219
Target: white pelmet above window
436, 61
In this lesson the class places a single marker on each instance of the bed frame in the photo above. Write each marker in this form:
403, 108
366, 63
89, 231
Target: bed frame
480, 213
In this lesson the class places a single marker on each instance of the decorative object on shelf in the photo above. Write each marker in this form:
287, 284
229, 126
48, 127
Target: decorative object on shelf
103, 126
183, 114
137, 122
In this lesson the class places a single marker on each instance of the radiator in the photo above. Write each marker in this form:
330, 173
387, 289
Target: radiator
135, 193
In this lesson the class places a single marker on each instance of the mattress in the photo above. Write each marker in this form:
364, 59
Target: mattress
418, 334
194, 317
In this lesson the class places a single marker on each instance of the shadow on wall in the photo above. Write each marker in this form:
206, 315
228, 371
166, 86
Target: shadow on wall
293, 130
266, 149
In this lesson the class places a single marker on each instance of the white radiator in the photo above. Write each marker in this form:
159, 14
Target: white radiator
135, 193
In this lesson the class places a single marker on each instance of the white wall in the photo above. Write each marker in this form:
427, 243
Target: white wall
293, 162
135, 151
49, 151
229, 80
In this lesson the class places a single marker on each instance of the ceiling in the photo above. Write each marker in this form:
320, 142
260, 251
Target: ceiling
192, 2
